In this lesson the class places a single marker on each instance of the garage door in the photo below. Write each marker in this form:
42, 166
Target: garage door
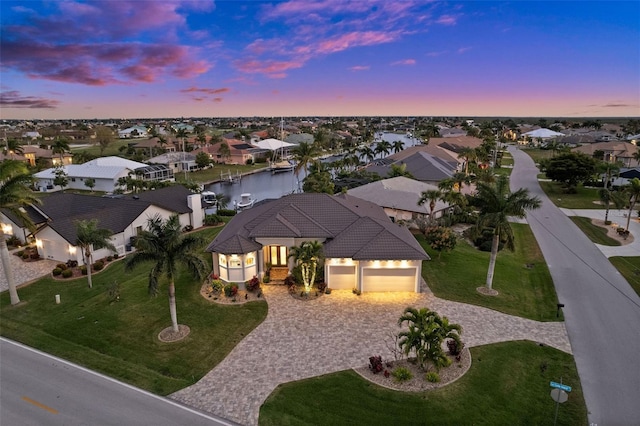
389, 279
55, 250
342, 277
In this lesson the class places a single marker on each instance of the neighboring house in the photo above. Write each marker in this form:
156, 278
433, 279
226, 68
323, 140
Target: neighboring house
32, 153
298, 138
240, 152
153, 145
362, 248
422, 165
124, 216
613, 151
105, 170
275, 145
399, 197
31, 135
176, 161
133, 132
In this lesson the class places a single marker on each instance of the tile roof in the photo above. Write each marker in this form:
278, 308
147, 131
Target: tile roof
349, 225
397, 193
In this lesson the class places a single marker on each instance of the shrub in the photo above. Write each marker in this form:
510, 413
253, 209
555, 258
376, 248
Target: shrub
386, 373
98, 266
25, 255
327, 291
226, 212
83, 269
375, 364
14, 241
290, 280
56, 271
231, 290
187, 228
217, 285
402, 374
266, 279
212, 219
321, 286
432, 377
116, 255
253, 284
67, 273
109, 258
20, 253
34, 256
356, 291
61, 266
72, 263
454, 347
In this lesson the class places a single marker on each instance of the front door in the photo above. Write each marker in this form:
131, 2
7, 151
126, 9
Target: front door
278, 256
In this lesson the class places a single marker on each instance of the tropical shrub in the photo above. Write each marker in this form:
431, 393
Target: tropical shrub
226, 212
454, 346
253, 284
375, 364
290, 280
25, 255
212, 219
83, 269
231, 290
67, 273
109, 258
432, 377
61, 266
14, 241
217, 285
98, 266
56, 272
402, 374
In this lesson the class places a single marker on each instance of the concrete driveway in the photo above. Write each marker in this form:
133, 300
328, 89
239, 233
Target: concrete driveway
301, 339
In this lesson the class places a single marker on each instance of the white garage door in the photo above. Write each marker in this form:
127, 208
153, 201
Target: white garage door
342, 277
389, 279
55, 250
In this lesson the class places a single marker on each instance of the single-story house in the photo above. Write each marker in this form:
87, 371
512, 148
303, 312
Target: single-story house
399, 198
124, 216
423, 166
133, 132
176, 161
613, 151
362, 248
105, 171
240, 152
32, 153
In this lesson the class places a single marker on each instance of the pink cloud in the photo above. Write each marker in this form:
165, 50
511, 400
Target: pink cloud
435, 54
275, 69
448, 19
405, 62
217, 99
13, 99
205, 90
360, 68
353, 39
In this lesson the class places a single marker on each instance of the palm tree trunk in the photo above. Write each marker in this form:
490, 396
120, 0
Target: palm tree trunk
87, 257
631, 206
8, 272
172, 306
492, 260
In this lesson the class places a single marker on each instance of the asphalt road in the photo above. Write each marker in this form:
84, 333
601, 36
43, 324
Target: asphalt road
39, 389
602, 312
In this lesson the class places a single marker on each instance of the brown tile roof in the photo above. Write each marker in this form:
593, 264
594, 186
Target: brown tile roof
351, 227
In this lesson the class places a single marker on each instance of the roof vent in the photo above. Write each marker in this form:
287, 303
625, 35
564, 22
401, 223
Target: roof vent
135, 197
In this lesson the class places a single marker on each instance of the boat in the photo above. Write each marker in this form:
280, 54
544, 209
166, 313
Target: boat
209, 198
245, 201
281, 166
278, 163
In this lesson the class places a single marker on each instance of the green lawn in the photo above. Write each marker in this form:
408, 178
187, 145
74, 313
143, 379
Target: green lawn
119, 339
522, 277
538, 154
585, 198
595, 233
507, 384
112, 149
629, 267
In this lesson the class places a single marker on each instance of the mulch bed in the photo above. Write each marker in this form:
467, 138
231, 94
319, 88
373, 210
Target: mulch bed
77, 272
418, 383
241, 297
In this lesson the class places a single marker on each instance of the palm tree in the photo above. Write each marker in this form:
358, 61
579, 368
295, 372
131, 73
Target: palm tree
15, 192
397, 146
432, 196
13, 147
607, 197
60, 146
459, 179
633, 191
222, 201
224, 151
303, 155
469, 154
307, 255
383, 148
163, 244
367, 153
399, 170
427, 330
182, 135
496, 203
89, 237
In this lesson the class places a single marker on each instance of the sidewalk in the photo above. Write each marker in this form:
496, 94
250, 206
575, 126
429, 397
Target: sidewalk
619, 218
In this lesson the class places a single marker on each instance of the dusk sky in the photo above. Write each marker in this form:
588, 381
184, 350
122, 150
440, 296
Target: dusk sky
136, 59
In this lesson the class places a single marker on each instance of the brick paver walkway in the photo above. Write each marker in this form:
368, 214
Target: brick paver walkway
301, 339
24, 272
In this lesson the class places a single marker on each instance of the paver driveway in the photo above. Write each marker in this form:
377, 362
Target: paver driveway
301, 339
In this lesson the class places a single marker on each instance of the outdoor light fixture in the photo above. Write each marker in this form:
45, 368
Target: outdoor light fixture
38, 243
7, 229
72, 250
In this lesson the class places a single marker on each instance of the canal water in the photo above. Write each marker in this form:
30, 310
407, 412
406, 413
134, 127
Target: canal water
265, 185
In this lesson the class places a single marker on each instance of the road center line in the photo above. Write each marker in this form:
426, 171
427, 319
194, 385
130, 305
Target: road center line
39, 405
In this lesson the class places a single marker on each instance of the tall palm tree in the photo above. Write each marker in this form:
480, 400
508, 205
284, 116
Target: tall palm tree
13, 147
224, 150
469, 154
432, 196
397, 146
366, 152
308, 254
60, 146
163, 244
303, 155
633, 191
90, 237
496, 204
607, 197
15, 192
383, 148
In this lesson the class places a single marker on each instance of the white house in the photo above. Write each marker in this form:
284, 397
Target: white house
133, 132
125, 216
105, 171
